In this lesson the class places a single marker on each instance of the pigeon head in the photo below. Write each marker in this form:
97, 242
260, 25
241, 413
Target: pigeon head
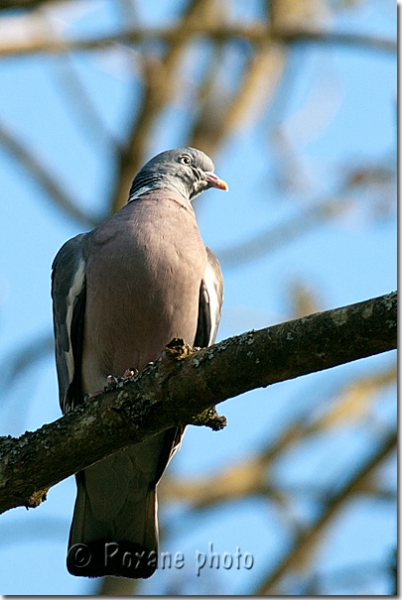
185, 170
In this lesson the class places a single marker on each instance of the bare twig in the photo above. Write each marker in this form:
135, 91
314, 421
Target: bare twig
24, 358
159, 87
284, 233
26, 160
255, 33
258, 84
311, 535
74, 90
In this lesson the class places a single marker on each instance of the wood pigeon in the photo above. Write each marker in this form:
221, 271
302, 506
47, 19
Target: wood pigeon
120, 294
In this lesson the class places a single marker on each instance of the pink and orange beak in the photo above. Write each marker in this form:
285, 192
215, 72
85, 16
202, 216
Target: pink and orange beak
215, 182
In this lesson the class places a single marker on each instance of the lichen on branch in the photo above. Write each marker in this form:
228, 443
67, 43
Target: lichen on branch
180, 388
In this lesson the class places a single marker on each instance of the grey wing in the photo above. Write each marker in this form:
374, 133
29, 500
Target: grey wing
210, 302
68, 294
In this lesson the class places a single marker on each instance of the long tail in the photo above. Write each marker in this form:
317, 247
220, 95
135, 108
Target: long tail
114, 529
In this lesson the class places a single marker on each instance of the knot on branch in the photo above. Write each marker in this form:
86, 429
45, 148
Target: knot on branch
209, 418
37, 498
167, 364
178, 349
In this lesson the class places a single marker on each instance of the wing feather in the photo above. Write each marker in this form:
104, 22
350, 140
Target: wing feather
210, 302
68, 294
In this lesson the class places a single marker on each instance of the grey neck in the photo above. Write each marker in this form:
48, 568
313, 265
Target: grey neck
144, 183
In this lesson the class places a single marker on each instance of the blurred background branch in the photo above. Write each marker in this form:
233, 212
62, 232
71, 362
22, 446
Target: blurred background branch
255, 34
307, 541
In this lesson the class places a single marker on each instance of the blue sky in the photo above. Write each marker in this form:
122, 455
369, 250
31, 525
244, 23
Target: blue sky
347, 260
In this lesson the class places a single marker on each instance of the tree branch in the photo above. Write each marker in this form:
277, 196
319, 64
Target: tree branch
254, 33
43, 178
23, 4
184, 382
269, 240
253, 474
159, 86
310, 536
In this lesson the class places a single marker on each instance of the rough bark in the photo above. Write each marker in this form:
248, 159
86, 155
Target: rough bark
182, 385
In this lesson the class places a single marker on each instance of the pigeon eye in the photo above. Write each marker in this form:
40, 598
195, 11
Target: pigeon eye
185, 159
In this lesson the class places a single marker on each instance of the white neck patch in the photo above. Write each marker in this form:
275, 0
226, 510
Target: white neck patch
143, 190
